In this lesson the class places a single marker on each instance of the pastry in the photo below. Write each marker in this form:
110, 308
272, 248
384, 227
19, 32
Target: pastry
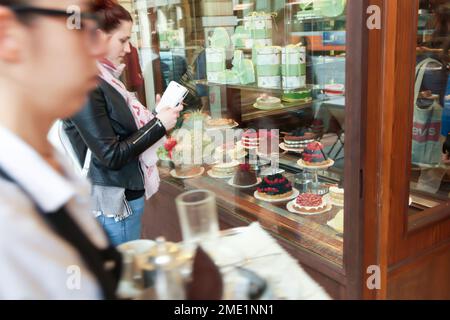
225, 169
334, 89
338, 222
230, 151
194, 119
188, 171
250, 140
337, 196
267, 141
317, 127
275, 187
299, 139
313, 155
245, 176
309, 203
219, 123
268, 102
297, 96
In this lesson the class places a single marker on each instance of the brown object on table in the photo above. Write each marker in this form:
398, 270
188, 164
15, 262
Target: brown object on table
245, 176
187, 171
207, 283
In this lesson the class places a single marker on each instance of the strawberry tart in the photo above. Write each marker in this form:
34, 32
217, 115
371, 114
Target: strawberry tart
308, 203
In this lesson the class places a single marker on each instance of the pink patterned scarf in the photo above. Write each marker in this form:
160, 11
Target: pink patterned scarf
110, 73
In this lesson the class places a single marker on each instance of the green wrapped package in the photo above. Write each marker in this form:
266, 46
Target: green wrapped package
243, 68
220, 38
331, 8
228, 77
268, 67
247, 74
260, 26
241, 38
293, 68
215, 63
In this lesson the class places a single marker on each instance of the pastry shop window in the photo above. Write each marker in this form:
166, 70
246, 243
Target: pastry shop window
264, 120
430, 168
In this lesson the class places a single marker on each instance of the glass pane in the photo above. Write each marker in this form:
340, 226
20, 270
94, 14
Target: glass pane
275, 72
430, 176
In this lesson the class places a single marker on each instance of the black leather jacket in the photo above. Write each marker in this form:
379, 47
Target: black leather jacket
107, 127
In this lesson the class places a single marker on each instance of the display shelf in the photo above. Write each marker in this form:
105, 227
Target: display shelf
319, 19
252, 87
250, 113
309, 232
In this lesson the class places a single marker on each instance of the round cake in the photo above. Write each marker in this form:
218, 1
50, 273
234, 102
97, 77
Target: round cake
337, 196
275, 187
219, 123
250, 140
314, 156
187, 171
297, 96
299, 139
245, 176
268, 102
334, 89
225, 169
230, 151
309, 203
318, 127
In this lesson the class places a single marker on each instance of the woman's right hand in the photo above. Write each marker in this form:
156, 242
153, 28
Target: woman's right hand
169, 116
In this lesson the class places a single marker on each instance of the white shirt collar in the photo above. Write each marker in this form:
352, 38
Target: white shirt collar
49, 189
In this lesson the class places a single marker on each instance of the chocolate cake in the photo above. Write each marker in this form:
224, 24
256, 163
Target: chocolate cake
245, 176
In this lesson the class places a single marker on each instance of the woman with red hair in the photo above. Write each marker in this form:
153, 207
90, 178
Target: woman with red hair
120, 133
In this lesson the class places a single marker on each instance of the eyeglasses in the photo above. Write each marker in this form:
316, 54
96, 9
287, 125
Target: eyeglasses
89, 20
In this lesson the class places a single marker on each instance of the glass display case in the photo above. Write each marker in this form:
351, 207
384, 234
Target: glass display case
290, 103
264, 121
430, 182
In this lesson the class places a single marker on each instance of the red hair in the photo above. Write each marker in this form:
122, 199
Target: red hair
111, 14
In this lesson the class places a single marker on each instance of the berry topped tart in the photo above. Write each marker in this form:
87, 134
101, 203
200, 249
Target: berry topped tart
314, 156
275, 187
308, 203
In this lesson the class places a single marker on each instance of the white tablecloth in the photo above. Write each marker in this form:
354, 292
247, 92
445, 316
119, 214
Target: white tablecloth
256, 250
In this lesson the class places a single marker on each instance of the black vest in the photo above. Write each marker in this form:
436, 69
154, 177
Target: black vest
104, 264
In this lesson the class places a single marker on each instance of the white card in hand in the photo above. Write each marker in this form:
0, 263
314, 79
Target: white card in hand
173, 96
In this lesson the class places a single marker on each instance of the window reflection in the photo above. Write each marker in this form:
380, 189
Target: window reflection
430, 182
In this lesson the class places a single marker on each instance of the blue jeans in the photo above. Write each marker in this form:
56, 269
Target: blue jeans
128, 229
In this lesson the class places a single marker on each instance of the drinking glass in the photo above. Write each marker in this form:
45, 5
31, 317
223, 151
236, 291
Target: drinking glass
303, 181
197, 212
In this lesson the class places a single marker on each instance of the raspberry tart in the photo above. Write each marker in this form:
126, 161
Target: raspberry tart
314, 156
275, 187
